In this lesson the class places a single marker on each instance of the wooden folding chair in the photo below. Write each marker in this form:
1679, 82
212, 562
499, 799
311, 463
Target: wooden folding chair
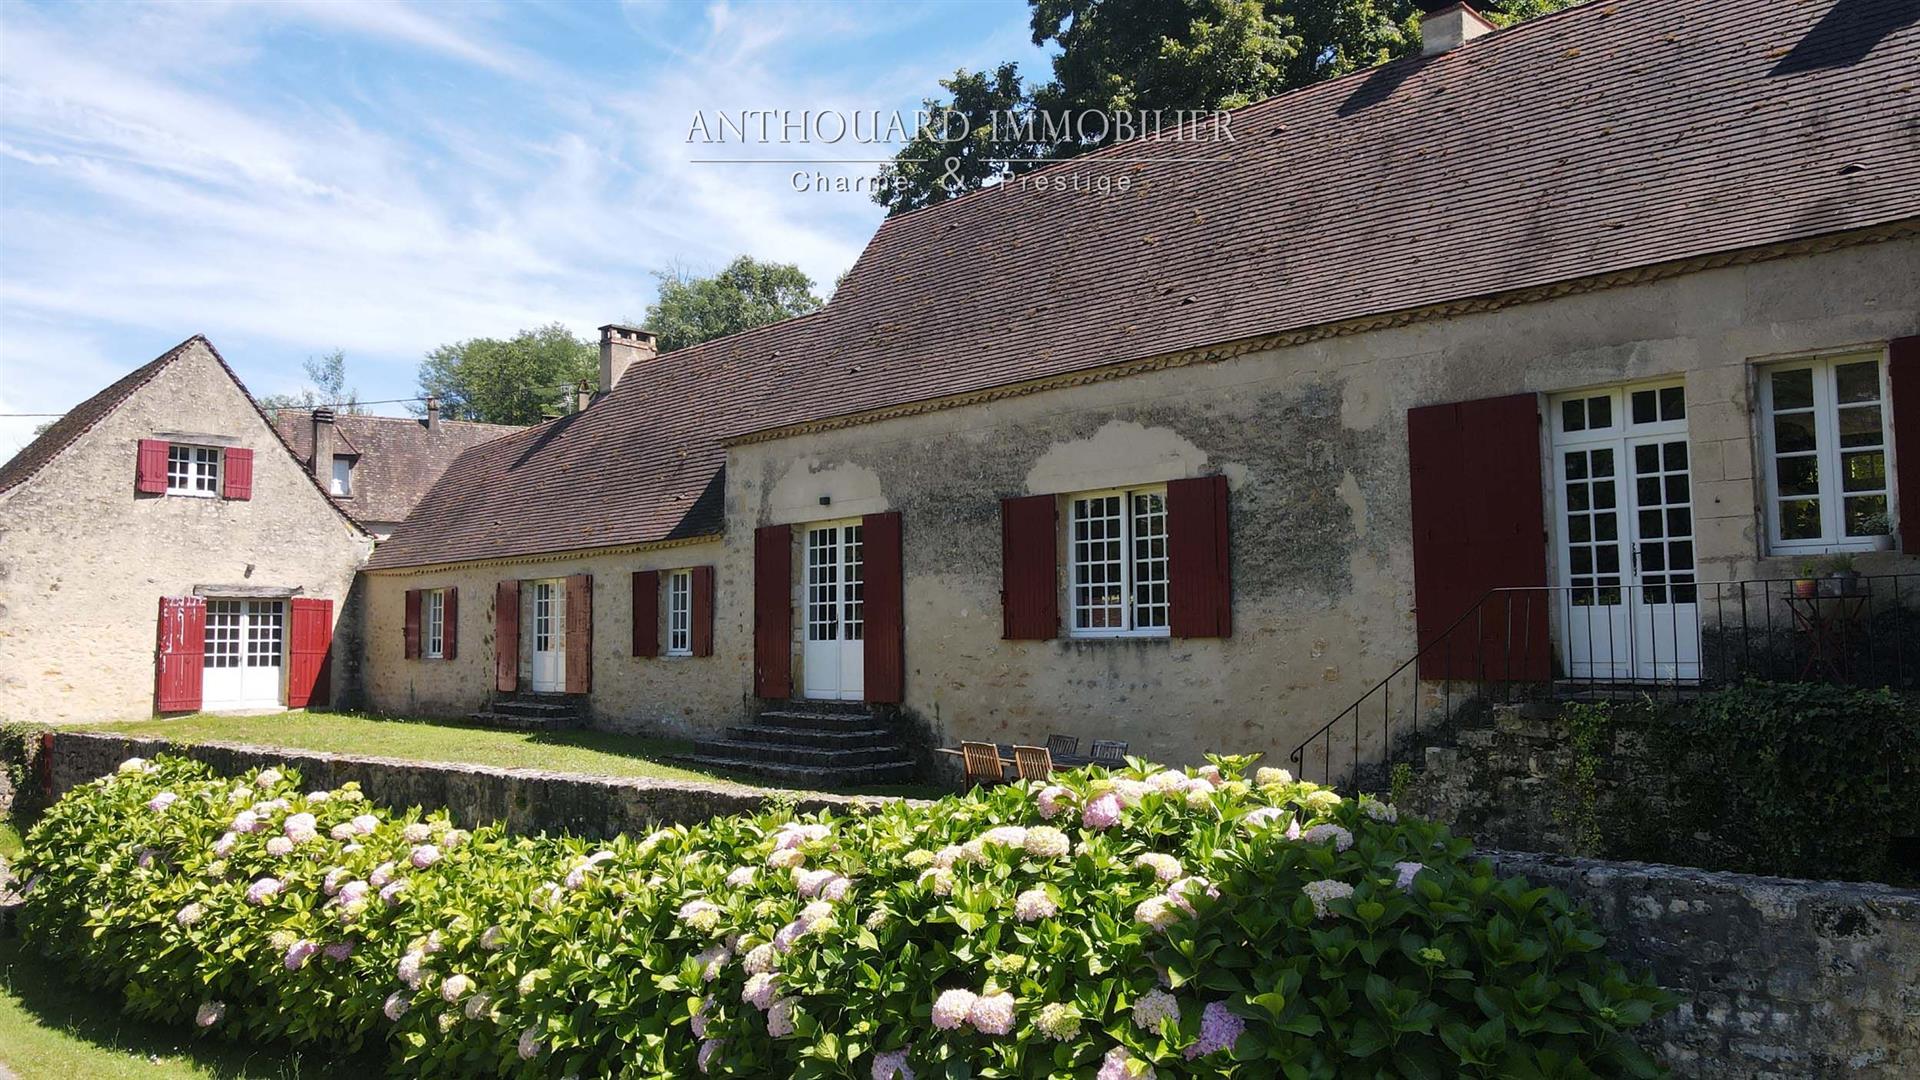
1110, 751
1058, 744
1033, 762
982, 763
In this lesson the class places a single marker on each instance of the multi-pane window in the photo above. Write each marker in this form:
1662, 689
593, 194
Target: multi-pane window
433, 616
680, 613
193, 470
342, 476
223, 634
264, 629
836, 583
1824, 425
1117, 546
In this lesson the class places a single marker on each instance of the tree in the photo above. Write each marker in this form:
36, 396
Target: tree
748, 293
520, 380
328, 378
1131, 55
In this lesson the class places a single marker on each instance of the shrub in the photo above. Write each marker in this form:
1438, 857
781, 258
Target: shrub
1137, 923
1798, 779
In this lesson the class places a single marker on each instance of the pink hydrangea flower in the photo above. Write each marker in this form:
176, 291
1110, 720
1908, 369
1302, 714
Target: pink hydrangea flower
396, 1005
390, 893
492, 938
992, 1014
1211, 774
455, 988
836, 889
410, 968
529, 1045
1158, 912
1263, 816
780, 1018
1047, 842
223, 846
365, 824
951, 1008
263, 890
418, 832
708, 1050
741, 877
761, 959
1342, 839
1034, 905
209, 1013
338, 951
1102, 812
279, 846
1165, 867
1050, 801
793, 834
1407, 871
353, 891
381, 875
299, 953
301, 828
159, 803
1182, 892
760, 990
424, 856
1130, 791
1324, 892
1005, 836
809, 882
1153, 1007
713, 960
1219, 1030
190, 914
246, 821
1120, 1065
891, 1065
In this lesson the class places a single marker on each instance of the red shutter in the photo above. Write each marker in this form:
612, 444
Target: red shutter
410, 629
182, 648
1029, 568
773, 611
646, 613
1903, 378
702, 610
579, 633
883, 594
450, 623
1479, 523
309, 653
1200, 583
506, 637
150, 467
236, 474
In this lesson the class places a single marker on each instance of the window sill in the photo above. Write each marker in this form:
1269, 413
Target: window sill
1121, 635
1855, 546
192, 494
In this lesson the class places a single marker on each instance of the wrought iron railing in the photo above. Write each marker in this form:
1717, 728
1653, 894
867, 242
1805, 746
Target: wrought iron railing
1623, 642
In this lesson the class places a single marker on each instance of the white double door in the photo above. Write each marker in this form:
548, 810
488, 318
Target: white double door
1629, 606
245, 647
833, 657
549, 636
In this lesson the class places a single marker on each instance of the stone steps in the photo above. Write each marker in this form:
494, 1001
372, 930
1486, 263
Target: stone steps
532, 712
827, 745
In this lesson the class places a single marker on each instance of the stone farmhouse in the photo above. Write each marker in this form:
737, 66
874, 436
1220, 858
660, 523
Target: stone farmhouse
161, 550
378, 468
1619, 300
1620, 305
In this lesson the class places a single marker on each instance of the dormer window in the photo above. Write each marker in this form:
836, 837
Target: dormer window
342, 476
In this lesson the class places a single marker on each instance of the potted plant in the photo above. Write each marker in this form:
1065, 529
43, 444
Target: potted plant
1807, 584
1879, 528
1842, 579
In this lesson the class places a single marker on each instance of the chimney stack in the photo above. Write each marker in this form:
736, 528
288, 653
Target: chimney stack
433, 413
322, 464
583, 394
1445, 26
620, 348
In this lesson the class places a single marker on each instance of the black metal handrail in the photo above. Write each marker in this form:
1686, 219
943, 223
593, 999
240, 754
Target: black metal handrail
1622, 640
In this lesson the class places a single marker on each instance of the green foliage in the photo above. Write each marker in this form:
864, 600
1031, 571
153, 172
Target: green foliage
1399, 781
1590, 740
1130, 55
1798, 779
1369, 946
328, 376
748, 293
521, 380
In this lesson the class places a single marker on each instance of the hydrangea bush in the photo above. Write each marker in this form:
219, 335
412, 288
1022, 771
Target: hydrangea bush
1127, 924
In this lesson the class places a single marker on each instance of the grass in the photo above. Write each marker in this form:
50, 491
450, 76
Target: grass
596, 753
54, 1030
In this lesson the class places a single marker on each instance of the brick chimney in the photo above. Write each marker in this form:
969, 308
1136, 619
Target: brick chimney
433, 413
620, 348
322, 464
1445, 26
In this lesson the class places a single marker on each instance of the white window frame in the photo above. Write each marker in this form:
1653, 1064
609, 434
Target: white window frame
1827, 452
680, 613
1131, 561
193, 471
342, 483
433, 624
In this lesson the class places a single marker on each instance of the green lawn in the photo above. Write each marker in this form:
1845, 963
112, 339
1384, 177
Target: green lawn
53, 1030
593, 752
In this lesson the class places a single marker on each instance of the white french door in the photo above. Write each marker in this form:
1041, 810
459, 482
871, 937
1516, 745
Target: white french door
245, 643
1629, 606
549, 636
832, 658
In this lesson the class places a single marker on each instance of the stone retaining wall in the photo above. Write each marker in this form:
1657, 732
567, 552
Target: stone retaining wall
527, 800
1781, 977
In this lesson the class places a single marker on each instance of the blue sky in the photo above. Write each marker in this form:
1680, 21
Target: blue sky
295, 177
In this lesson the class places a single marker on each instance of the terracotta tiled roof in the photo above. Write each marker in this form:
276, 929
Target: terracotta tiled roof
1610, 136
397, 458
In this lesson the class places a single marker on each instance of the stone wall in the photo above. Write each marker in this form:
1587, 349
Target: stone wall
528, 800
1781, 978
